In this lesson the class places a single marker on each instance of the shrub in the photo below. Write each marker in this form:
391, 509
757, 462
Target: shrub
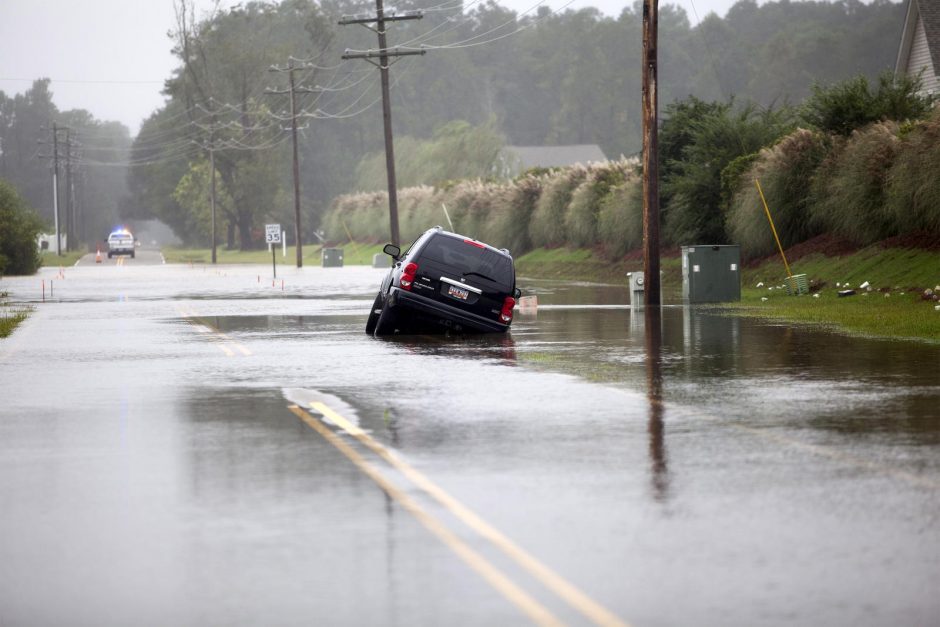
696, 209
849, 190
19, 231
783, 172
851, 104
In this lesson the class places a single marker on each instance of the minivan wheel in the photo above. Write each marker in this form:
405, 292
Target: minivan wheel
374, 315
385, 325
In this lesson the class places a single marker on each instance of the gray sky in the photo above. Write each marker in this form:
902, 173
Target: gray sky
111, 56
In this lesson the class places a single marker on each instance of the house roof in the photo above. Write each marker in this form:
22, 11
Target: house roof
929, 13
556, 156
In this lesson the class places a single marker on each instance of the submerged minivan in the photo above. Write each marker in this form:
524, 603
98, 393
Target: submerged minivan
445, 282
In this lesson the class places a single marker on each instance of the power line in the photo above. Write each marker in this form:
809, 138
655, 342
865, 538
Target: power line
383, 54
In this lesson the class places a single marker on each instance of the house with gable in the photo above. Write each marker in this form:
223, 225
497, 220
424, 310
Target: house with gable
920, 44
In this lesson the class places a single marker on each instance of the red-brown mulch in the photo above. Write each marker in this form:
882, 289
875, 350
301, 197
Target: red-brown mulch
917, 239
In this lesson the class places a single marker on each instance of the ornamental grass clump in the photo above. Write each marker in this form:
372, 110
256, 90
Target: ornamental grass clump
547, 226
468, 203
913, 198
508, 226
416, 212
849, 192
582, 212
620, 220
364, 214
783, 172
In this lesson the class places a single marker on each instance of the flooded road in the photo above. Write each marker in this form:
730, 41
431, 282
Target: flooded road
191, 445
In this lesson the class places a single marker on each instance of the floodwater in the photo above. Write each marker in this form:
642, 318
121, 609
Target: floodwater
678, 468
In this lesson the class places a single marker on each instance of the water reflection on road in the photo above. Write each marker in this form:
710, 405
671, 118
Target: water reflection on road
678, 465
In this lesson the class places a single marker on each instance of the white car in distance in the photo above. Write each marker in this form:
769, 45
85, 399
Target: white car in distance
121, 242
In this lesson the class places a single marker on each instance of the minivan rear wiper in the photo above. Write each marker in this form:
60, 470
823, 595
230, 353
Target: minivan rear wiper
482, 276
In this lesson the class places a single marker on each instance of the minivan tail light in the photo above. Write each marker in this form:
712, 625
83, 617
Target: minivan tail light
474, 243
408, 276
506, 314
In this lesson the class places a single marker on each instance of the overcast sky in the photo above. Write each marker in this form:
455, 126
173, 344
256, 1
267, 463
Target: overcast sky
111, 56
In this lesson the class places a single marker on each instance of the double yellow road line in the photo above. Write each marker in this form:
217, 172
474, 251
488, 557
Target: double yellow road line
538, 613
223, 342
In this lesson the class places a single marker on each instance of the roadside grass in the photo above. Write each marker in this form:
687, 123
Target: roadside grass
893, 271
52, 260
353, 255
10, 317
588, 265
892, 306
902, 273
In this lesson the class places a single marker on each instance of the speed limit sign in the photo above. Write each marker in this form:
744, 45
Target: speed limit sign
272, 233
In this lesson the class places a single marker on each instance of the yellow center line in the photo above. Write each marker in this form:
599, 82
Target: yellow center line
550, 579
208, 328
496, 578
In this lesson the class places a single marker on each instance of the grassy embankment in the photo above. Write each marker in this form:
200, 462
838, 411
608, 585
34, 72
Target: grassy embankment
10, 317
52, 260
893, 307
353, 255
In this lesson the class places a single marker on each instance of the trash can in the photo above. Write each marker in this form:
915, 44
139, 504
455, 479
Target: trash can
711, 274
332, 258
797, 284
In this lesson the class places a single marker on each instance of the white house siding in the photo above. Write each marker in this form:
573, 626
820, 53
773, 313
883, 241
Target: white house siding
920, 58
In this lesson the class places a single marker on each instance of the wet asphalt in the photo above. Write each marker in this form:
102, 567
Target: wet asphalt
191, 445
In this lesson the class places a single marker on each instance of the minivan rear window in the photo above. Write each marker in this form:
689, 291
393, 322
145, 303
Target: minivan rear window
470, 259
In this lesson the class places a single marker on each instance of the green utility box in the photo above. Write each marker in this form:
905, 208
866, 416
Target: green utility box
332, 258
711, 274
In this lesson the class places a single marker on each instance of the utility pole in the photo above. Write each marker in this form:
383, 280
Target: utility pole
293, 90
55, 187
212, 195
69, 225
651, 294
210, 147
383, 54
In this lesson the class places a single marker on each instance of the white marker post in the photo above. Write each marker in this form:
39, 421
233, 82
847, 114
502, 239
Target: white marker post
272, 235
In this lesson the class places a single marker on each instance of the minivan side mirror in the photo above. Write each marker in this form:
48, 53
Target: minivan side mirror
392, 251
517, 293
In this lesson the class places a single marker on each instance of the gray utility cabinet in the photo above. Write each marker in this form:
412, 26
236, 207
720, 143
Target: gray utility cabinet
711, 274
332, 258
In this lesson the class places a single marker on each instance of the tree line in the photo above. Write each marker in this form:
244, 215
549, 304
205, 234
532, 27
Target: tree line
490, 77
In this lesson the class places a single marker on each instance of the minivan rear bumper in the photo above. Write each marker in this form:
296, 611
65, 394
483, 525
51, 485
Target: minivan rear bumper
442, 314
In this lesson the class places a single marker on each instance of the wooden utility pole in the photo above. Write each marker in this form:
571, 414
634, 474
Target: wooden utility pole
55, 186
383, 54
212, 191
292, 91
69, 224
651, 295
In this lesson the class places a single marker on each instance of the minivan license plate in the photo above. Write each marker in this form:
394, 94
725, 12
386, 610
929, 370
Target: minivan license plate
457, 292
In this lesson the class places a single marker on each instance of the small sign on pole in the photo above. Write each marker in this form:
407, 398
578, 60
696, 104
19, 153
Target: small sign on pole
272, 235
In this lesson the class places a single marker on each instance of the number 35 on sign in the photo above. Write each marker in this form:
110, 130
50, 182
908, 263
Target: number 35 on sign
272, 233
